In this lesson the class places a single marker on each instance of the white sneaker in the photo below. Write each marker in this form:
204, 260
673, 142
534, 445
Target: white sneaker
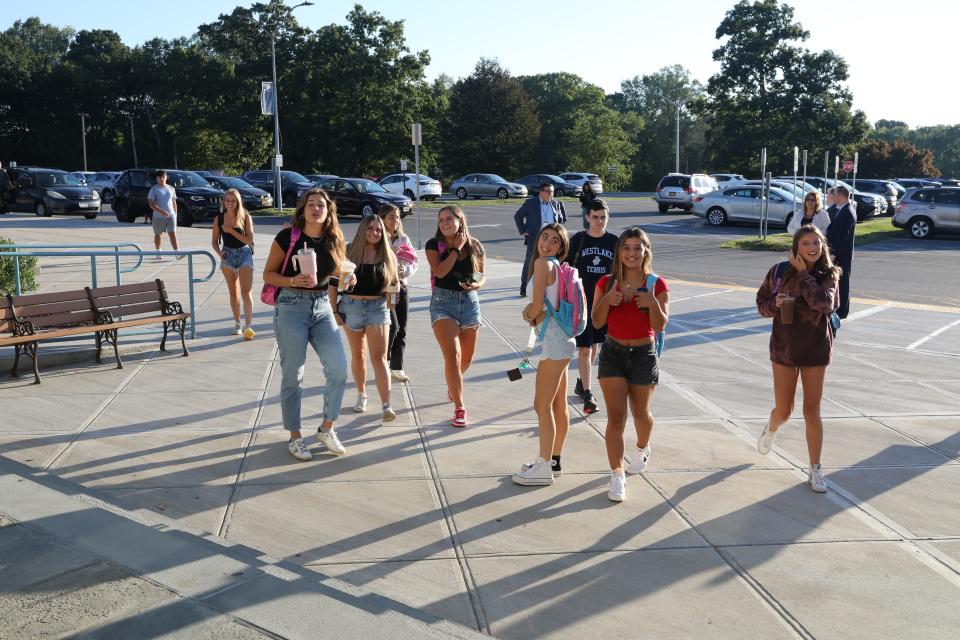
638, 464
329, 439
361, 404
399, 375
298, 449
817, 481
236, 329
766, 440
554, 468
537, 474
389, 415
618, 486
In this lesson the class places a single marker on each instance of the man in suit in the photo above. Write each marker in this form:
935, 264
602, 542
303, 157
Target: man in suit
530, 218
840, 236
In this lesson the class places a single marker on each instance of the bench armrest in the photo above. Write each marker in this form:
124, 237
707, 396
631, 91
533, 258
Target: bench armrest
23, 328
172, 308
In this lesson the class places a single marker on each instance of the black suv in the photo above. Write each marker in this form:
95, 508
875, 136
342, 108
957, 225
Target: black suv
49, 191
881, 188
196, 199
291, 184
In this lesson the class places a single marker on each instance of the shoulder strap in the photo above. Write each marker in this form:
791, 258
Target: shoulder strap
651, 283
294, 236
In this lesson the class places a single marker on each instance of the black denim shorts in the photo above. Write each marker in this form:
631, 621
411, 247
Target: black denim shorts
639, 365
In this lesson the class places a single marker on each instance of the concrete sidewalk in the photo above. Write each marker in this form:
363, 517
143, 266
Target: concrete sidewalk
714, 540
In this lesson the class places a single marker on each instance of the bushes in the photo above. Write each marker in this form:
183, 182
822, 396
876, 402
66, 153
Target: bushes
29, 280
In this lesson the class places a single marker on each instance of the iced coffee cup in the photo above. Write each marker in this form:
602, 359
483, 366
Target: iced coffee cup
305, 261
786, 309
346, 272
392, 291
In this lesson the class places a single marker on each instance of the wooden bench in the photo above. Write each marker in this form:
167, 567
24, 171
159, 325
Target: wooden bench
31, 319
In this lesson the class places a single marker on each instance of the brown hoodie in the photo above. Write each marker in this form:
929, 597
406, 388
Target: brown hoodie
808, 341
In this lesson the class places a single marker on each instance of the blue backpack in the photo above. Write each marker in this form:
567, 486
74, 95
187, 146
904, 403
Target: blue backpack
572, 314
660, 336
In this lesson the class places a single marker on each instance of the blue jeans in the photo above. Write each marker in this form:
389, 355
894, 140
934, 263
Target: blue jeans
301, 318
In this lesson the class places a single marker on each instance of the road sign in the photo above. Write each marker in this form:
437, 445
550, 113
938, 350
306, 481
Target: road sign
416, 133
847, 166
403, 165
278, 162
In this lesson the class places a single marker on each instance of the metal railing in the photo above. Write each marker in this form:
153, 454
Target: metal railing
117, 254
18, 249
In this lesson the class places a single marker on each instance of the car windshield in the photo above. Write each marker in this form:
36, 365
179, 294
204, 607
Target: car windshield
292, 176
177, 179
367, 186
234, 183
58, 179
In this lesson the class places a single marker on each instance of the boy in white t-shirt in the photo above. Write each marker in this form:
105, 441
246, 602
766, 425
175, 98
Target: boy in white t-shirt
163, 201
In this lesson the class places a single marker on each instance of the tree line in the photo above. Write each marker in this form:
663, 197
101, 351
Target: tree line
349, 93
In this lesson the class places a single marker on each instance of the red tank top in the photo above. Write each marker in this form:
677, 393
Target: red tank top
625, 321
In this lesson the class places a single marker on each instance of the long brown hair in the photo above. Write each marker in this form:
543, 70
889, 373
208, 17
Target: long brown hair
330, 228
824, 264
616, 274
386, 210
473, 248
561, 231
385, 254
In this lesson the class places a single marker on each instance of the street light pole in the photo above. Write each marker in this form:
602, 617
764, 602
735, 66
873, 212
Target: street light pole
83, 137
133, 142
679, 104
277, 193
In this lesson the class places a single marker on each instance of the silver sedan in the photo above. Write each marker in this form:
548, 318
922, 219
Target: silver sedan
486, 184
742, 203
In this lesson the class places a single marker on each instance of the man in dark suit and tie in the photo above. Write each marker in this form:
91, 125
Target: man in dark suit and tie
840, 236
530, 218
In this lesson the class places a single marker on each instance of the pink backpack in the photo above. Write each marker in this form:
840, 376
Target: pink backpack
572, 314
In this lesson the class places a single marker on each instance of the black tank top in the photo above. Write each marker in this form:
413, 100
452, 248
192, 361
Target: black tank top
228, 240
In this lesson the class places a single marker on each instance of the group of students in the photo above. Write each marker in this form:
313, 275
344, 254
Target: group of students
627, 304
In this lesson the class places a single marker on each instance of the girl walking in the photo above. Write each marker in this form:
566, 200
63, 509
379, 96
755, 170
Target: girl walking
407, 263
233, 242
457, 265
550, 397
800, 295
364, 310
629, 370
303, 316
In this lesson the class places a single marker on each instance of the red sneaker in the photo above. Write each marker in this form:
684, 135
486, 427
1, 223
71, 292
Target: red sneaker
459, 417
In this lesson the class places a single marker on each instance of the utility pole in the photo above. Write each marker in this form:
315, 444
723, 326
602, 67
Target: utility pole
83, 137
679, 104
133, 142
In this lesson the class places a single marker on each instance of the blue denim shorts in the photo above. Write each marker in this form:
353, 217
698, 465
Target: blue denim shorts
358, 314
556, 344
236, 258
463, 307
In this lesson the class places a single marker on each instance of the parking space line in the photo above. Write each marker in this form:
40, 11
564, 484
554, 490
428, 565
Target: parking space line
931, 335
868, 312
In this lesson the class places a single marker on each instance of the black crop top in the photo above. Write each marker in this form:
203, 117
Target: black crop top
370, 280
325, 264
226, 239
462, 270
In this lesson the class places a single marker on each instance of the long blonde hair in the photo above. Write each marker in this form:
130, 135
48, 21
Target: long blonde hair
616, 275
333, 240
242, 213
473, 248
385, 255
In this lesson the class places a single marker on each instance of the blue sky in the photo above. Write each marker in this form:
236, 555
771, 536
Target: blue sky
603, 41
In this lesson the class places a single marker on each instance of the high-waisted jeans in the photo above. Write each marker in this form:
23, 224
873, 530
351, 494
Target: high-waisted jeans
302, 318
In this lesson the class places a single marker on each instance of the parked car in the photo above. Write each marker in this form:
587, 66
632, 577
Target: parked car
580, 179
50, 191
83, 176
915, 183
882, 188
252, 197
560, 186
927, 211
359, 196
948, 182
477, 185
319, 177
102, 183
866, 204
727, 179
197, 200
680, 190
291, 183
742, 203
406, 184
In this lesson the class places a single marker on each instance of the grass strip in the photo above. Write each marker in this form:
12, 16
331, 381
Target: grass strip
867, 231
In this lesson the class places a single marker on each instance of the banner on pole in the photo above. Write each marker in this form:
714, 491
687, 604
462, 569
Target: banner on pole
266, 98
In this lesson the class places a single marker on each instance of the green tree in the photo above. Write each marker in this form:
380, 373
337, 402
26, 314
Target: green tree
491, 124
882, 159
597, 142
772, 93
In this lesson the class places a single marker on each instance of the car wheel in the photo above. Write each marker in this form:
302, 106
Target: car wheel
409, 194
663, 208
560, 192
107, 195
502, 193
367, 210
184, 217
40, 209
461, 193
921, 228
716, 216
120, 210
90, 216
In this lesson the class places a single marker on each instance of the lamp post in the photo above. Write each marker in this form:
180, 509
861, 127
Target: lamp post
277, 194
83, 137
679, 104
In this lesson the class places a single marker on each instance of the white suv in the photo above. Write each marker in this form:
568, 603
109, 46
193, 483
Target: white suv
405, 184
581, 179
681, 190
